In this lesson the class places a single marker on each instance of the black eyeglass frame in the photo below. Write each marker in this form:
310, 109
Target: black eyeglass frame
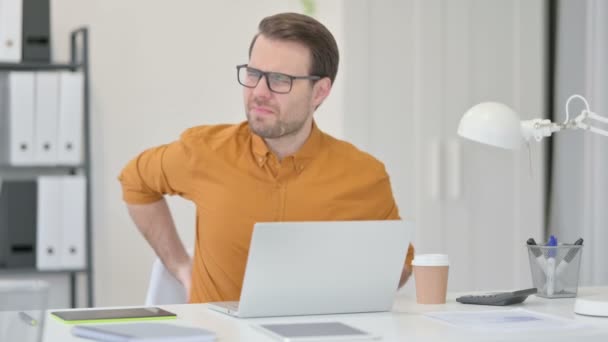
265, 75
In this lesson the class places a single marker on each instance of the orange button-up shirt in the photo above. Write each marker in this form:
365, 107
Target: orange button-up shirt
235, 181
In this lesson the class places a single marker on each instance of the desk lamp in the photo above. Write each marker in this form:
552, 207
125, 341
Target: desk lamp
495, 124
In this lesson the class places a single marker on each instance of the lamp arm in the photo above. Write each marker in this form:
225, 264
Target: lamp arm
578, 122
599, 131
597, 117
539, 128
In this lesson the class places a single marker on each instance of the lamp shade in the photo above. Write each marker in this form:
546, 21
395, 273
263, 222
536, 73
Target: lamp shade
492, 123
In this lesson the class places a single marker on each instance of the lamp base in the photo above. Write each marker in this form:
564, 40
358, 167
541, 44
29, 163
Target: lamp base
592, 305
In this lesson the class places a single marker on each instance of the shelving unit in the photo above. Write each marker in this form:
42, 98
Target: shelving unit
79, 61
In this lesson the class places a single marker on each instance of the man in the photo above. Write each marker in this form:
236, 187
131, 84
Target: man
277, 166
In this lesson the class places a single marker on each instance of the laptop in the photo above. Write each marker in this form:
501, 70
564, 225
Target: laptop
312, 268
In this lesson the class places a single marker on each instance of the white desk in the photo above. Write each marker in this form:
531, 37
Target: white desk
404, 323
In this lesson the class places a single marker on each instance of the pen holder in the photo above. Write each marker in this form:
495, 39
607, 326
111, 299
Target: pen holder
555, 269
23, 306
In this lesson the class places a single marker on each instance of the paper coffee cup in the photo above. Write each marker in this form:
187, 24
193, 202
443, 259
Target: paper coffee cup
431, 277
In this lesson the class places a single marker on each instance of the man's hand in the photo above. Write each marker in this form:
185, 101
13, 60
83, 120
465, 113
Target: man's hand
184, 276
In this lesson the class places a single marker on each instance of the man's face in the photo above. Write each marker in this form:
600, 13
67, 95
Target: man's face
273, 115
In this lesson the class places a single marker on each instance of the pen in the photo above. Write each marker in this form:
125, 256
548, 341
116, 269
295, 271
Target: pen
28, 319
551, 265
571, 254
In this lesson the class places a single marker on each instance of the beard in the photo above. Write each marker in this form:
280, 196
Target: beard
272, 127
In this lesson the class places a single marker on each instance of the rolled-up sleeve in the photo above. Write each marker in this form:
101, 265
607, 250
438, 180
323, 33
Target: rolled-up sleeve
154, 173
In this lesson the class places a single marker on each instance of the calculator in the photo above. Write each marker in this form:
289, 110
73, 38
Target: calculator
497, 298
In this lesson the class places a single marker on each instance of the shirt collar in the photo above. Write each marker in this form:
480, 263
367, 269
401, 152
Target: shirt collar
301, 158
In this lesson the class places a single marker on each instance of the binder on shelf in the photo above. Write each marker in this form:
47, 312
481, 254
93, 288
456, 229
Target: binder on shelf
36, 31
73, 199
61, 210
71, 124
46, 116
11, 19
49, 232
17, 116
17, 223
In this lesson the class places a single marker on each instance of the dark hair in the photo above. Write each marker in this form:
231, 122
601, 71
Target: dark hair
308, 31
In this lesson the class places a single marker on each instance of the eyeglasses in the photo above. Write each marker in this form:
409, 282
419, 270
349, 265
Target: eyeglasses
277, 82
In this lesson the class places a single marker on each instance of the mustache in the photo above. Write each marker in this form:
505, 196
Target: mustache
262, 103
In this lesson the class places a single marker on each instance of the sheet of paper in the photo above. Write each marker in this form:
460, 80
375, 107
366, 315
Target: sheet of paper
513, 320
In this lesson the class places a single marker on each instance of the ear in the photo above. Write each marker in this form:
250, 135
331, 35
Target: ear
320, 91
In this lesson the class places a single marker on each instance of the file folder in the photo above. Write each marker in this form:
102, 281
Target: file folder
17, 223
61, 214
3, 228
49, 234
11, 19
36, 31
17, 114
71, 118
73, 209
46, 116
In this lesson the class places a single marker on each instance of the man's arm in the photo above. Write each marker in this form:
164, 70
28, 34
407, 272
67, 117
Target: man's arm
405, 275
145, 181
393, 214
156, 224
407, 267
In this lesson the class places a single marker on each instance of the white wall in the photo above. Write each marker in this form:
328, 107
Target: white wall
157, 68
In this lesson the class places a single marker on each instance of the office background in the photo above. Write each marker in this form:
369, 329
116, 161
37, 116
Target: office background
409, 69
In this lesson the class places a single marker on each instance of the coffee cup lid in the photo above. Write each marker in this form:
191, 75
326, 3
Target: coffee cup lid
431, 260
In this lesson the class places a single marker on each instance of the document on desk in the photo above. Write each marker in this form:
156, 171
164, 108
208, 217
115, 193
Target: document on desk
514, 320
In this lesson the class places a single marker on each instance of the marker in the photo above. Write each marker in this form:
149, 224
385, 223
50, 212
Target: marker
571, 254
28, 319
540, 259
551, 265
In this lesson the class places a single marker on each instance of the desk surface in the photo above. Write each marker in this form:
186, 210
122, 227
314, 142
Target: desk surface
405, 323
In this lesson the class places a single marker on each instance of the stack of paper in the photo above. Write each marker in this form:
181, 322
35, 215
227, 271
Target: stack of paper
504, 320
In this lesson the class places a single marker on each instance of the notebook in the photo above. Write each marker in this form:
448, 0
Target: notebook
142, 332
108, 315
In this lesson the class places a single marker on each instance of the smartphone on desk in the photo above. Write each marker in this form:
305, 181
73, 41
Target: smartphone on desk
112, 315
